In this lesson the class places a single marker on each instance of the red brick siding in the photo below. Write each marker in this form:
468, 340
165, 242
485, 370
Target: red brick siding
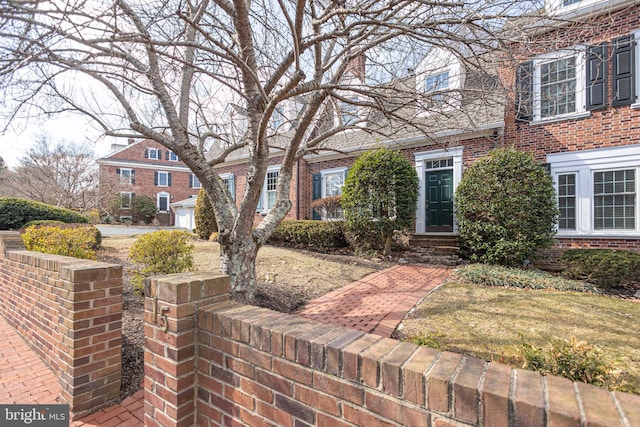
257, 367
70, 311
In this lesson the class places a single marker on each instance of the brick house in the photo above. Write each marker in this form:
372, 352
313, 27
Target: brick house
577, 110
146, 168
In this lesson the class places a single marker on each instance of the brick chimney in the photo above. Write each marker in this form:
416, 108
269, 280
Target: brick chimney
357, 67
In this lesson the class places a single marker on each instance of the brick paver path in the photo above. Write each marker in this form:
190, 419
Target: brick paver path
25, 379
377, 303
374, 304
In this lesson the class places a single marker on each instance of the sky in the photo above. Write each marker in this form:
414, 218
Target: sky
17, 140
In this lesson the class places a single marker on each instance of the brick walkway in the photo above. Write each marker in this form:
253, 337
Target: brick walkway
375, 304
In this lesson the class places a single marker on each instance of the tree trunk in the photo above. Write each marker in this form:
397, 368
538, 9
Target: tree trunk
387, 245
238, 260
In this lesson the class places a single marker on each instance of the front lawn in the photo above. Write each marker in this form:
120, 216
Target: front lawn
490, 322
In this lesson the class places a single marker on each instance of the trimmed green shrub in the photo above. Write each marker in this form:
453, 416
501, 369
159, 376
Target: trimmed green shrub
204, 216
497, 275
506, 208
568, 358
314, 234
75, 240
15, 212
378, 198
606, 268
161, 252
143, 208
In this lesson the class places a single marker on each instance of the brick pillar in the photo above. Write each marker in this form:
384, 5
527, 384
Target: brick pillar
90, 296
171, 304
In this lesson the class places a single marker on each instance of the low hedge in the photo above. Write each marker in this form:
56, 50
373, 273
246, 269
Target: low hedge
501, 276
314, 234
15, 213
75, 240
606, 268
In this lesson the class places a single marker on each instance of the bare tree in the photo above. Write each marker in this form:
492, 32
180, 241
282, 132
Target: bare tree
290, 73
59, 174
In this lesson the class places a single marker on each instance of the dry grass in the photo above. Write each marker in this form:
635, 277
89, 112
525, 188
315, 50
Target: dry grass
288, 278
490, 322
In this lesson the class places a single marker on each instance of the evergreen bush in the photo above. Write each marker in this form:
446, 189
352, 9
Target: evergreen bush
506, 208
205, 217
378, 198
606, 268
15, 213
313, 234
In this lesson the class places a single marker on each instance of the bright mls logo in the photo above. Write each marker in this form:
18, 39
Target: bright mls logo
34, 415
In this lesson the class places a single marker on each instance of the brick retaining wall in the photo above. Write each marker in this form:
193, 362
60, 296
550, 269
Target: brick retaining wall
257, 367
70, 311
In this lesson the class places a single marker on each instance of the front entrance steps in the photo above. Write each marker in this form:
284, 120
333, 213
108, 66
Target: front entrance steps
436, 249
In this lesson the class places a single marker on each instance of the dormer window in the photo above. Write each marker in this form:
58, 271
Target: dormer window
436, 85
439, 79
153, 153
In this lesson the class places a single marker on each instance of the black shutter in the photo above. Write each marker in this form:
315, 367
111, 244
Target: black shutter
166, 155
524, 92
597, 77
169, 179
191, 180
118, 171
146, 153
155, 178
316, 192
624, 92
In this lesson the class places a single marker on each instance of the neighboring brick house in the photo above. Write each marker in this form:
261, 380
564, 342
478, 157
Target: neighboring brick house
578, 111
146, 168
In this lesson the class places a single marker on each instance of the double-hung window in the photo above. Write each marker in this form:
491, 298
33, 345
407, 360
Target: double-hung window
597, 191
269, 190
162, 179
153, 153
350, 111
435, 86
614, 200
558, 87
127, 176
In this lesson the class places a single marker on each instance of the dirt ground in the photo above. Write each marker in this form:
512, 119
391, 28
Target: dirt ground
288, 279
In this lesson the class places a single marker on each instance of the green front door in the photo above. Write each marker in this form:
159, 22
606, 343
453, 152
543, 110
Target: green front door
439, 209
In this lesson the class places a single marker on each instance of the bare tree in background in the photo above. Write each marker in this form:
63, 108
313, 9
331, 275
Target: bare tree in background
59, 174
166, 70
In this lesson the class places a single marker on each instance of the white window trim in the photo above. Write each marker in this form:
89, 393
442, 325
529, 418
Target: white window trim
167, 180
156, 151
163, 194
263, 194
580, 53
193, 181
130, 173
439, 61
172, 155
326, 172
584, 164
420, 159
